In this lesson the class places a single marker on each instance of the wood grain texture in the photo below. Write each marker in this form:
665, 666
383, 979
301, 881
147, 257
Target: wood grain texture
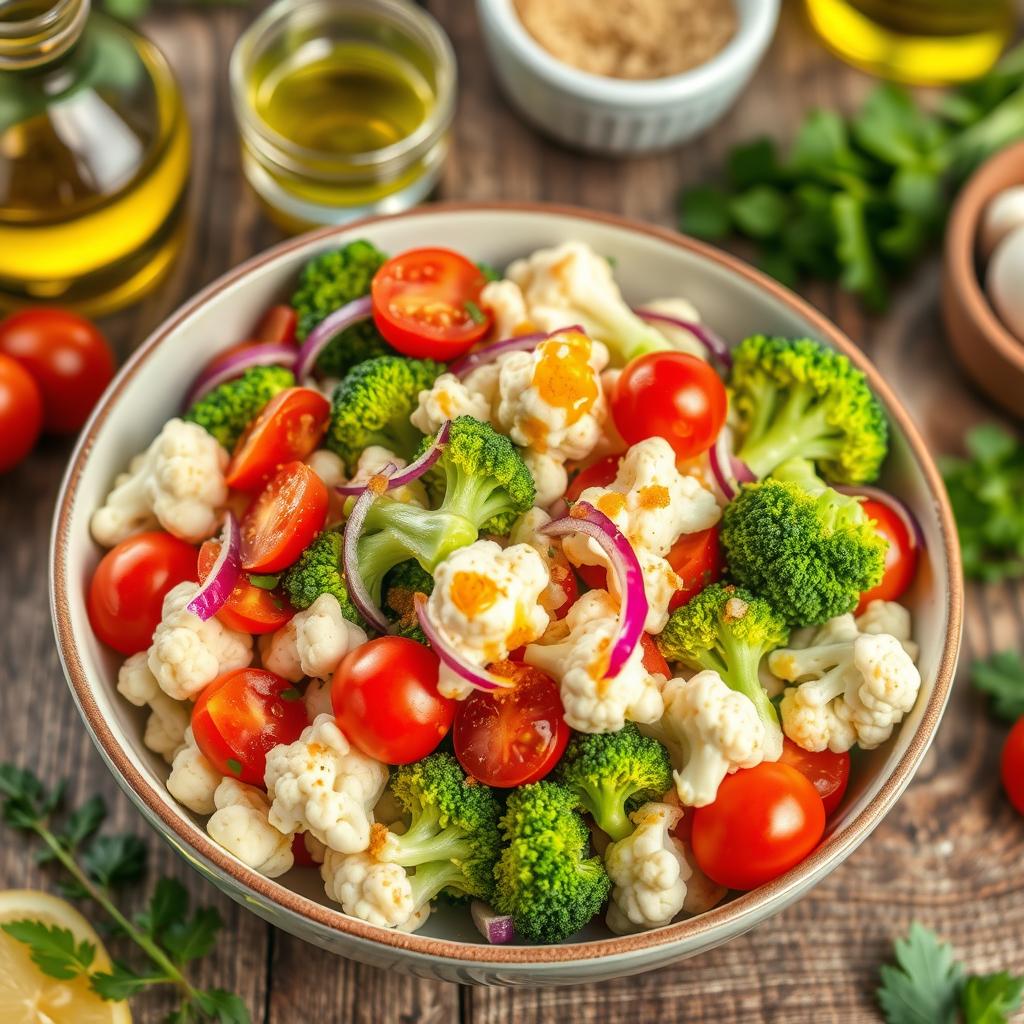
950, 855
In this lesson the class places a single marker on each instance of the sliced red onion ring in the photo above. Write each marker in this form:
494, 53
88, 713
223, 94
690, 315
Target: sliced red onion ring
235, 365
729, 472
350, 549
890, 501
411, 472
223, 574
715, 345
478, 678
521, 343
496, 928
584, 518
327, 330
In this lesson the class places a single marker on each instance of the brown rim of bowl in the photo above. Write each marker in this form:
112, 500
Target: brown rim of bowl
731, 914
961, 243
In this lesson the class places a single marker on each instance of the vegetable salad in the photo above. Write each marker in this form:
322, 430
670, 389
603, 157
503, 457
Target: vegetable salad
453, 584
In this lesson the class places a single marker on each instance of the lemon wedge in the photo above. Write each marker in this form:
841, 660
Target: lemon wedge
27, 996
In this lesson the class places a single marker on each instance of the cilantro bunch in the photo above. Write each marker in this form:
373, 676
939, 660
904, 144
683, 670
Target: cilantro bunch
860, 199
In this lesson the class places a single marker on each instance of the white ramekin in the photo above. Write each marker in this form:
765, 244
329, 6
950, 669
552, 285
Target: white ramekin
614, 115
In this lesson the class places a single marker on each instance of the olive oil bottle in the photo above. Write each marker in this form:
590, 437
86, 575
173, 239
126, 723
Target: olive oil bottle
94, 155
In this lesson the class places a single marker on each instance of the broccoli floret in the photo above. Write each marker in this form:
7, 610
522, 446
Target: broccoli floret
728, 630
544, 879
400, 587
480, 484
799, 398
229, 408
614, 772
452, 839
318, 571
808, 549
372, 405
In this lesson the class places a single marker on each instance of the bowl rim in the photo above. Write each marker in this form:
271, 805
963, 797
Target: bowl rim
961, 247
743, 912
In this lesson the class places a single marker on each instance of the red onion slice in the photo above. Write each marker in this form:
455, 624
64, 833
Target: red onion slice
715, 345
729, 472
350, 549
411, 472
496, 928
521, 343
584, 518
327, 330
479, 678
223, 574
235, 365
890, 501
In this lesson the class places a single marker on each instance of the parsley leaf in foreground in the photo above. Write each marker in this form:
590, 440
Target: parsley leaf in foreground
925, 986
991, 998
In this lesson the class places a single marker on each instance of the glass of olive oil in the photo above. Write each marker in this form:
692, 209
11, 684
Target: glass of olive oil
344, 107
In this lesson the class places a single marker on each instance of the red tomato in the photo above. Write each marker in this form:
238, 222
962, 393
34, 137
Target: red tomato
764, 821
127, 591
249, 609
283, 519
21, 413
303, 858
829, 773
654, 661
426, 303
564, 578
241, 715
900, 556
514, 736
671, 395
385, 698
289, 428
598, 474
69, 359
697, 560
277, 326
1013, 766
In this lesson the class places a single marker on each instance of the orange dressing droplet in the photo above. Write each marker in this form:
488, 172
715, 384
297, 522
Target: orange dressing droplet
473, 593
563, 376
653, 496
611, 504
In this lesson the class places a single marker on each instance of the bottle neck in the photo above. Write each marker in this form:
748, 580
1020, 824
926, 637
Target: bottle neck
38, 32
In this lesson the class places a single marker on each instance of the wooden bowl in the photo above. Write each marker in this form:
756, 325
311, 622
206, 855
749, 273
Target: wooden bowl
982, 344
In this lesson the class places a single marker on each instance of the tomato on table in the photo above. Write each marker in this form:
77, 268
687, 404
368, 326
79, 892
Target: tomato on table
426, 303
829, 773
515, 736
697, 560
241, 716
764, 821
127, 590
21, 413
672, 395
900, 556
289, 428
385, 699
249, 608
283, 519
654, 661
1012, 766
67, 356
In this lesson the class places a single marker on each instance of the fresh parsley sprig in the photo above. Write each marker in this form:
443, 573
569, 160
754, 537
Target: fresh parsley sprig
1002, 678
95, 865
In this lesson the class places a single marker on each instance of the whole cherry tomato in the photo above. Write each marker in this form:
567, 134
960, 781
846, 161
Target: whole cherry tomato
1012, 766
829, 773
900, 556
21, 413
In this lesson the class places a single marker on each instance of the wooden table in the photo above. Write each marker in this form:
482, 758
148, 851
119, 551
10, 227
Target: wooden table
950, 855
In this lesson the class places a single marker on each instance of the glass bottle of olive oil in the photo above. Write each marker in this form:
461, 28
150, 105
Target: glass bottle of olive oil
94, 153
922, 42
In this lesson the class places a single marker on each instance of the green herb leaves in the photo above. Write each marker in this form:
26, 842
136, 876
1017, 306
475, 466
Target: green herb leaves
1002, 678
53, 950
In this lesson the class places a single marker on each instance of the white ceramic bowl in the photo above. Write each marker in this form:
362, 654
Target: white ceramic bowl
614, 115
651, 262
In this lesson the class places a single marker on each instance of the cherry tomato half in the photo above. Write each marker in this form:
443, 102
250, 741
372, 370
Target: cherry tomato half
283, 519
69, 359
598, 474
426, 303
277, 326
672, 395
21, 413
654, 661
514, 736
289, 428
385, 699
764, 821
1012, 766
248, 609
697, 560
829, 773
241, 715
900, 556
127, 590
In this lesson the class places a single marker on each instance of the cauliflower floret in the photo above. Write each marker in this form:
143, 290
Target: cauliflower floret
527, 531
575, 652
193, 780
892, 618
317, 699
178, 483
187, 654
649, 871
168, 718
549, 476
680, 338
312, 642
322, 784
485, 604
851, 687
446, 399
505, 300
240, 825
328, 466
653, 505
372, 890
373, 460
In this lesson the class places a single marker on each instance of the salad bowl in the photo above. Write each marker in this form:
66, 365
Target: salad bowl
733, 299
